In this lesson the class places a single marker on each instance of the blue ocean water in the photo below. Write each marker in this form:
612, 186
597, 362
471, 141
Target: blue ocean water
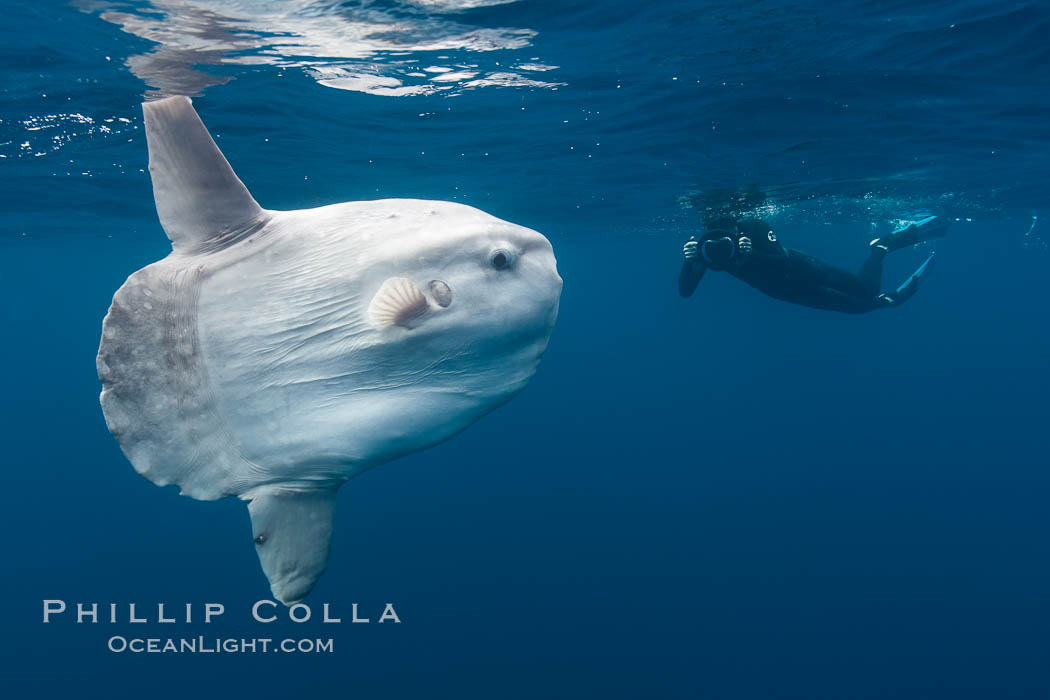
720, 497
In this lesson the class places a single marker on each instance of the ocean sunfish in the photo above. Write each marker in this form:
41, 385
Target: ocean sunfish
272, 355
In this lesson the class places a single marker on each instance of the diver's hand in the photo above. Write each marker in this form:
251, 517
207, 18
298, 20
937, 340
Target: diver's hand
744, 245
691, 249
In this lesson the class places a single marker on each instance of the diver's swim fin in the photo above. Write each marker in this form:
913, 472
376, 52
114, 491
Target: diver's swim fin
917, 232
910, 285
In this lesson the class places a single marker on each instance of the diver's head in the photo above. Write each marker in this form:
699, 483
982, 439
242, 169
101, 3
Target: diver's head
718, 252
719, 225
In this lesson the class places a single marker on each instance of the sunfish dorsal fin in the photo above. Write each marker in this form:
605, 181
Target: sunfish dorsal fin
201, 203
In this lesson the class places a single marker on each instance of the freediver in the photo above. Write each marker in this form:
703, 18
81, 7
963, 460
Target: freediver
748, 250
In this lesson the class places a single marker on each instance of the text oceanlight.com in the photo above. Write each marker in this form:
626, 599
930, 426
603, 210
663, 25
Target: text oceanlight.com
203, 645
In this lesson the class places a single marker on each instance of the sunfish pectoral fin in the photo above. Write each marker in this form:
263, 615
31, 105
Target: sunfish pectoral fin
399, 302
200, 201
293, 534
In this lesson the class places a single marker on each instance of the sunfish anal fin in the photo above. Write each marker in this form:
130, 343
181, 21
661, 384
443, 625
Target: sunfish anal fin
293, 534
201, 203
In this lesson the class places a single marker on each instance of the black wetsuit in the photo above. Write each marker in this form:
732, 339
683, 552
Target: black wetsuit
787, 274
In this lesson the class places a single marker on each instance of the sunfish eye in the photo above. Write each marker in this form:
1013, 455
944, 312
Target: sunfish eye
441, 292
500, 259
